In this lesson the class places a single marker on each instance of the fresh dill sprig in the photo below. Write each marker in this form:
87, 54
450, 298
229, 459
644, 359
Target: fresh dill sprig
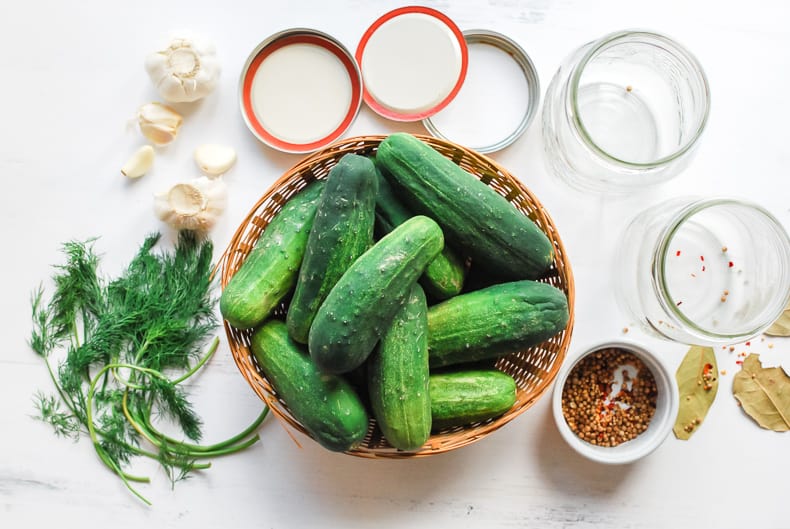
63, 423
127, 345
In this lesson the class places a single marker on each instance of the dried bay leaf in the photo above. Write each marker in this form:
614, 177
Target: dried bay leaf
781, 327
764, 394
698, 383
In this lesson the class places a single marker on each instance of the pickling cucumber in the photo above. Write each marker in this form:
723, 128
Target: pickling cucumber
464, 397
270, 270
341, 232
474, 217
494, 322
363, 302
326, 405
398, 376
444, 276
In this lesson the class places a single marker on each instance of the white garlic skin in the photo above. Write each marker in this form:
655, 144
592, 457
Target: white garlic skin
139, 163
215, 160
186, 70
159, 123
194, 205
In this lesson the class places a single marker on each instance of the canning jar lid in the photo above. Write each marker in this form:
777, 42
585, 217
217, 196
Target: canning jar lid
498, 99
301, 90
413, 62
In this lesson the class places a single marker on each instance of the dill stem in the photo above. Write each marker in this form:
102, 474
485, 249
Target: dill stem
141, 352
64, 397
143, 426
94, 437
211, 350
70, 405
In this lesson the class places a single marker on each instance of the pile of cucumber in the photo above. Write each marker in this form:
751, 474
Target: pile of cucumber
377, 257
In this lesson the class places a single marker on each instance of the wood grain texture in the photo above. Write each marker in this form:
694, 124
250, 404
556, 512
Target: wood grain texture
72, 77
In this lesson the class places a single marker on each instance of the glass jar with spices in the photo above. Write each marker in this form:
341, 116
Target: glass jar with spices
704, 271
624, 112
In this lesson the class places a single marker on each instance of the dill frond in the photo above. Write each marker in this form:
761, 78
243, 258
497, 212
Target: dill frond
119, 337
64, 424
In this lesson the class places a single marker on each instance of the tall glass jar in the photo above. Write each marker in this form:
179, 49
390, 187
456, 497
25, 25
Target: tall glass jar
704, 271
624, 112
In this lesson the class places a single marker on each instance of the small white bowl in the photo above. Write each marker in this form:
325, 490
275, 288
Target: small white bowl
660, 425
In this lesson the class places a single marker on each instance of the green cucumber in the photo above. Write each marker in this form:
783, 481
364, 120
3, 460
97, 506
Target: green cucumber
444, 276
398, 376
342, 231
494, 322
271, 269
326, 405
362, 303
464, 397
473, 216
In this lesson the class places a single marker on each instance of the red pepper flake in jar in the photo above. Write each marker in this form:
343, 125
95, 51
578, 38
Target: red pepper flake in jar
609, 397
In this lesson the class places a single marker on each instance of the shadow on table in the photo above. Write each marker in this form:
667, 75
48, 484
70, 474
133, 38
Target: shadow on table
569, 472
339, 487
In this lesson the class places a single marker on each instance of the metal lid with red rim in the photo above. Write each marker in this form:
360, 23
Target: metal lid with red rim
300, 90
413, 62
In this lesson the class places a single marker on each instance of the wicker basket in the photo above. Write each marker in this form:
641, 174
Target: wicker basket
534, 369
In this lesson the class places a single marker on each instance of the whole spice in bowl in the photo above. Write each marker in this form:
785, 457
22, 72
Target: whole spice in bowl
615, 403
609, 398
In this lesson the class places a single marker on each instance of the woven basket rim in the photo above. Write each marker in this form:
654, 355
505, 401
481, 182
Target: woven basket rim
244, 238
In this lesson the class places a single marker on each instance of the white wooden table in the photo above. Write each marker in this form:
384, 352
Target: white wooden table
72, 77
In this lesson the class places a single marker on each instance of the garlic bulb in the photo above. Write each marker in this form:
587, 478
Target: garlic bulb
215, 160
159, 123
186, 70
194, 205
139, 163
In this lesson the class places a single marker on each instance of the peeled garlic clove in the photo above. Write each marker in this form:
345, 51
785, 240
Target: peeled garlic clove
194, 205
139, 163
185, 70
214, 159
159, 123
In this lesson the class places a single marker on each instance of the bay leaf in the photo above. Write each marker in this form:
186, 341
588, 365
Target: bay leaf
781, 327
764, 393
698, 382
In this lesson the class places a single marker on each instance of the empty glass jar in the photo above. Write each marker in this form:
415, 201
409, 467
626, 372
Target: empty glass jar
704, 271
624, 112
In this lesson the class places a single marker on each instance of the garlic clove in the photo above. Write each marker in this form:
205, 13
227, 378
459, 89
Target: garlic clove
139, 163
214, 159
194, 205
186, 70
159, 123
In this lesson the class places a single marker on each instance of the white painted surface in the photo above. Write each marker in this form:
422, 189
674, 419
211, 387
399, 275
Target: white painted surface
72, 77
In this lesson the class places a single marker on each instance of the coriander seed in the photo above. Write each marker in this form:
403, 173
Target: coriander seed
609, 398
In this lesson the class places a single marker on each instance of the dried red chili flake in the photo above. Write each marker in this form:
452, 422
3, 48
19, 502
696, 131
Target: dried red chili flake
703, 268
739, 362
677, 254
748, 344
701, 257
732, 264
679, 303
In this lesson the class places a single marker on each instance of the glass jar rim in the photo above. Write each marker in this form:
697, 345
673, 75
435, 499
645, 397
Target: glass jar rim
607, 41
661, 252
